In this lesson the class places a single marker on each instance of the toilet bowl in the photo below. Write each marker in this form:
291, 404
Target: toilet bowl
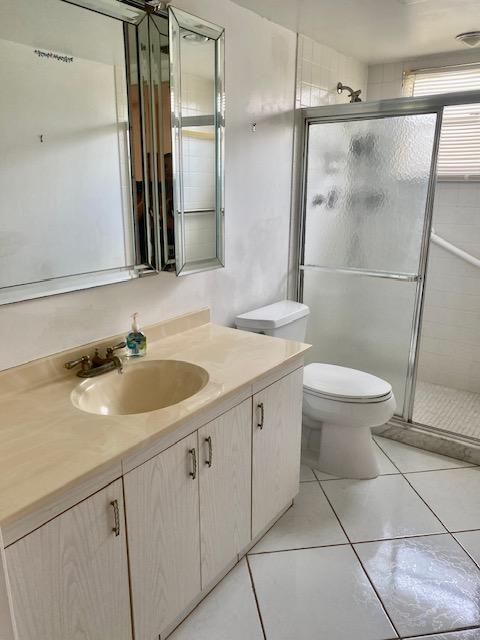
340, 405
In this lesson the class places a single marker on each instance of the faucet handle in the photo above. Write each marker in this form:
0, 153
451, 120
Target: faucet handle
85, 361
116, 347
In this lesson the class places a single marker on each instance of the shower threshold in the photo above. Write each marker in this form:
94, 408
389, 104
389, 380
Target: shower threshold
445, 421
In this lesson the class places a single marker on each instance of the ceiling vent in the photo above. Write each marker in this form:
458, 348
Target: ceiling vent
470, 38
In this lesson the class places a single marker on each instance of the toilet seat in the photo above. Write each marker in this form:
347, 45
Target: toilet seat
342, 384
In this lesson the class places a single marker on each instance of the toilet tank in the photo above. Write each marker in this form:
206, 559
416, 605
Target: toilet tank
285, 319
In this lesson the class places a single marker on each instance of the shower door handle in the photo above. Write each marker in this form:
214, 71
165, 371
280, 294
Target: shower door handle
388, 275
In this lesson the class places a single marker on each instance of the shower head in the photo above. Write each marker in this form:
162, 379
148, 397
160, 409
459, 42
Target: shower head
353, 95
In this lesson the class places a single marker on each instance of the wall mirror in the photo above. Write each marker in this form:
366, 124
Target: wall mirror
68, 215
90, 172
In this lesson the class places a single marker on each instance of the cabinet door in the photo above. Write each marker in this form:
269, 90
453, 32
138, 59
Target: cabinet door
277, 429
69, 578
225, 488
161, 501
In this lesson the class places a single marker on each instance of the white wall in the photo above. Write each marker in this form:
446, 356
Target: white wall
320, 69
260, 83
450, 341
450, 347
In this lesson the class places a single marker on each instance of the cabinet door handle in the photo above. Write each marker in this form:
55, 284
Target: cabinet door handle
208, 461
193, 472
262, 415
116, 517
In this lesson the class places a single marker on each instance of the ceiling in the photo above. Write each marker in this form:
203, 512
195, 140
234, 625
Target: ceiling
376, 30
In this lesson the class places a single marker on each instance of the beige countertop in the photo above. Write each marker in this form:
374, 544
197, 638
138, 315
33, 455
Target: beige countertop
46, 444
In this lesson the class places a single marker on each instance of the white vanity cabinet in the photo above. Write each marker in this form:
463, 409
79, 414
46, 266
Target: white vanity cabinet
225, 489
277, 419
69, 578
163, 523
195, 501
188, 517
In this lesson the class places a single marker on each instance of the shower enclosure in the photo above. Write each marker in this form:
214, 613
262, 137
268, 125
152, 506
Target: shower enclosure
368, 179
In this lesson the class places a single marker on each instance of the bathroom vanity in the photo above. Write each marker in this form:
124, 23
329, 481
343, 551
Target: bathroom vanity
115, 526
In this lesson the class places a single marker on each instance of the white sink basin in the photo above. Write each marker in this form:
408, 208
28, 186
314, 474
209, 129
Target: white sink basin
142, 387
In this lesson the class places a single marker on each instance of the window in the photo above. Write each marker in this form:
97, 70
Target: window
459, 152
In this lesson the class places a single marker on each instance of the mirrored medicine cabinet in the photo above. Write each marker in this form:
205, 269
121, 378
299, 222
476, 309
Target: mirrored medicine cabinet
112, 119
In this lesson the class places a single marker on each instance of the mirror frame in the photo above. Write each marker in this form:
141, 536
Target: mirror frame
177, 20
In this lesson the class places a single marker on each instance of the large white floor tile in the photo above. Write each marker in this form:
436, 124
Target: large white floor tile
408, 458
454, 495
317, 593
386, 466
309, 523
386, 507
306, 474
470, 540
229, 611
427, 584
470, 634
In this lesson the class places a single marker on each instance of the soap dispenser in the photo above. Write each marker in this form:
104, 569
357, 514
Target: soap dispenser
136, 340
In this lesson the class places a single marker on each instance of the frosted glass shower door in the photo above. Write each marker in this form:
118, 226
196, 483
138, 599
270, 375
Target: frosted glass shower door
366, 191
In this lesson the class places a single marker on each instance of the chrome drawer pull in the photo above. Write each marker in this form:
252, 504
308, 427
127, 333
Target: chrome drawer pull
116, 516
193, 473
262, 415
208, 461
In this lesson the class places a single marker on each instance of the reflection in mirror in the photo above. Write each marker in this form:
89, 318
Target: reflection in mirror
162, 136
198, 126
197, 55
65, 178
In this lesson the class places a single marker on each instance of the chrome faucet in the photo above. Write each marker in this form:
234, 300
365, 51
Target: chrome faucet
92, 367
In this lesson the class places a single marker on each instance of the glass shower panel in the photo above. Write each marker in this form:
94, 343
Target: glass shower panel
361, 322
366, 192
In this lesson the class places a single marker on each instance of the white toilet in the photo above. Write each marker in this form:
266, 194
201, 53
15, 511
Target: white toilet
340, 405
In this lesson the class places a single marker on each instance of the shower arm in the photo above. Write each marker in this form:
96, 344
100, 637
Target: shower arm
353, 95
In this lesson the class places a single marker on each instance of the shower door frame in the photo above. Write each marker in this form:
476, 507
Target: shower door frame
367, 111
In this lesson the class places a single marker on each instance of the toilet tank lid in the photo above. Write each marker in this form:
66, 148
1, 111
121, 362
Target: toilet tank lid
273, 315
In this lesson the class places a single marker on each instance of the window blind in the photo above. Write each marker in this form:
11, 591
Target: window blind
459, 150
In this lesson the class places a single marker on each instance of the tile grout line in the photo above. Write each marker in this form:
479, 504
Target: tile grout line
468, 465
440, 634
314, 546
475, 562
201, 602
344, 544
360, 562
417, 493
392, 473
426, 503
256, 597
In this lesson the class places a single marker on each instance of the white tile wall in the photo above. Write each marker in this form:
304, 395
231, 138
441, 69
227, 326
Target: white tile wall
320, 68
198, 170
200, 236
385, 81
450, 345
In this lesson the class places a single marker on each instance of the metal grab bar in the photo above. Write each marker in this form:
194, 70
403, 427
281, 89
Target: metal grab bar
453, 249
